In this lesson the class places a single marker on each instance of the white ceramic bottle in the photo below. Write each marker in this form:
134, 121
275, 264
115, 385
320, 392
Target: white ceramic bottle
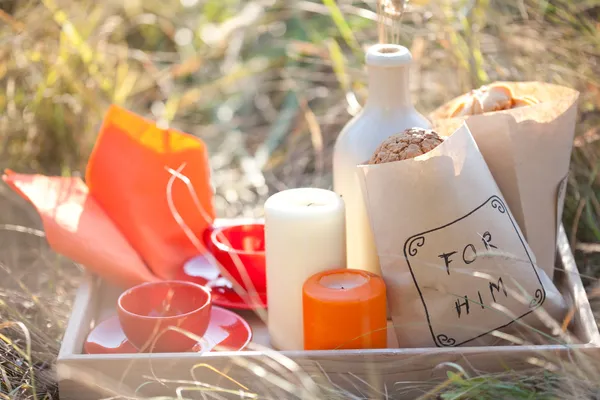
388, 110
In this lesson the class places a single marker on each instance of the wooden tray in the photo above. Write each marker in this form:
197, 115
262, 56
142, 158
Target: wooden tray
291, 374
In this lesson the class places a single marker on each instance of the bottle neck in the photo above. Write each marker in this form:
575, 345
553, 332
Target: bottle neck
388, 86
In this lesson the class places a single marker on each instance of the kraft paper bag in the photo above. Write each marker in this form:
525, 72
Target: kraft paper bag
456, 264
529, 159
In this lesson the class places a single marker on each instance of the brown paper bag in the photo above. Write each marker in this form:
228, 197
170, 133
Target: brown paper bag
454, 260
529, 160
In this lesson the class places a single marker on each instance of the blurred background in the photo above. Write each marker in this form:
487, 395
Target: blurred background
268, 85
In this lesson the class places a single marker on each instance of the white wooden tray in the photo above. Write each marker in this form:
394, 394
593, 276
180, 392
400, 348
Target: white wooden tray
291, 374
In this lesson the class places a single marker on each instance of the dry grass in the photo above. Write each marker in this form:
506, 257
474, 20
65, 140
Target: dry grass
267, 84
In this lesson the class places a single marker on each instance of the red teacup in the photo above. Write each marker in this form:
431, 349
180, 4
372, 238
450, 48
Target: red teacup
147, 310
240, 251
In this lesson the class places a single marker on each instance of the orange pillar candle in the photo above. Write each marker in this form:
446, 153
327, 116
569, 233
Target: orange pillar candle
344, 309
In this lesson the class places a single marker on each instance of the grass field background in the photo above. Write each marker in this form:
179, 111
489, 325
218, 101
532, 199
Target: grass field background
268, 84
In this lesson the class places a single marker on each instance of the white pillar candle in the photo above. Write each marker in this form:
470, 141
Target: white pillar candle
304, 234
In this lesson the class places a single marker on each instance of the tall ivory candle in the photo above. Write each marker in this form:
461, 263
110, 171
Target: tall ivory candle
304, 234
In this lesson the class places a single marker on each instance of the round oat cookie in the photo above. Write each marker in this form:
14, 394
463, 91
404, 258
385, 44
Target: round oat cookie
405, 145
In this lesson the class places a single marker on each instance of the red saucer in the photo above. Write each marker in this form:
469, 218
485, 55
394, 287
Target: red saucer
227, 331
203, 271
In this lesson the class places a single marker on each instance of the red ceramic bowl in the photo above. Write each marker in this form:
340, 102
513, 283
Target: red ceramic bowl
147, 310
240, 250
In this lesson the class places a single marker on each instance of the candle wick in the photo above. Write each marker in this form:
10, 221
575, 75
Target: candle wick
309, 204
342, 287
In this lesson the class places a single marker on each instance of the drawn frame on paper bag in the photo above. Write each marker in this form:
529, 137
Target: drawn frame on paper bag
441, 339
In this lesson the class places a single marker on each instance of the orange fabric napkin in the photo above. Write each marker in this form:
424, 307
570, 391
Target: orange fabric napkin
122, 225
127, 175
78, 228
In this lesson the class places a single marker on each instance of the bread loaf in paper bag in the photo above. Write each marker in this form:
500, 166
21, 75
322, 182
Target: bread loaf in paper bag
456, 264
525, 132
